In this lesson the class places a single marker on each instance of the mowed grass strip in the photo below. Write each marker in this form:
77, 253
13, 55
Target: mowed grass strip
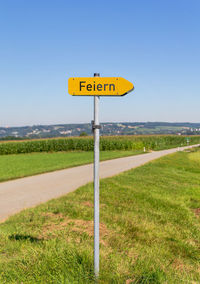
149, 226
22, 165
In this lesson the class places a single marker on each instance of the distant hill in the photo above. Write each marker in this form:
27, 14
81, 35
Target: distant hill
121, 128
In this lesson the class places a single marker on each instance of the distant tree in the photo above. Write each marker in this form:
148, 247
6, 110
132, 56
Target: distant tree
83, 134
8, 138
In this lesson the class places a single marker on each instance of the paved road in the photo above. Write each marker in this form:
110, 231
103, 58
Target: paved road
27, 192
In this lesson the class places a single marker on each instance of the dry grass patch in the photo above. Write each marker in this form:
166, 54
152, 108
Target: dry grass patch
178, 265
52, 228
129, 281
197, 212
88, 204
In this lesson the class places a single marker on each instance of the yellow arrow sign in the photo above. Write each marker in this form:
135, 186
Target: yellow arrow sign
99, 86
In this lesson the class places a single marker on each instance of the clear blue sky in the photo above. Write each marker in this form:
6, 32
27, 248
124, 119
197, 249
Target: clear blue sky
153, 43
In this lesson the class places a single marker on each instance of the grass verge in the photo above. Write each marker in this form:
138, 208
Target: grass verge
21, 165
149, 230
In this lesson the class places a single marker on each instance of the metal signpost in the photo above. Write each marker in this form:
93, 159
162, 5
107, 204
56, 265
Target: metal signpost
98, 86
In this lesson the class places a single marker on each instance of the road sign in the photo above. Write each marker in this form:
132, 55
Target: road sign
99, 86
96, 87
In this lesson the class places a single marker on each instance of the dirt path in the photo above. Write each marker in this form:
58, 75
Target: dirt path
27, 192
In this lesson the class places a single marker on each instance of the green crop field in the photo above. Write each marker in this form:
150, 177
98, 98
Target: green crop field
22, 165
149, 224
151, 142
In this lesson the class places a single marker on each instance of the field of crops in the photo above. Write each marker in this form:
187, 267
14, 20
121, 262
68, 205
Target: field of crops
155, 142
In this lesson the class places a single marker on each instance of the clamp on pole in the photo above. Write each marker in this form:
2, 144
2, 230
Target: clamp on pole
95, 126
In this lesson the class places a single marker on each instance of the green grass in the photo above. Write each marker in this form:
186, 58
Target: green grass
195, 157
21, 165
149, 230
